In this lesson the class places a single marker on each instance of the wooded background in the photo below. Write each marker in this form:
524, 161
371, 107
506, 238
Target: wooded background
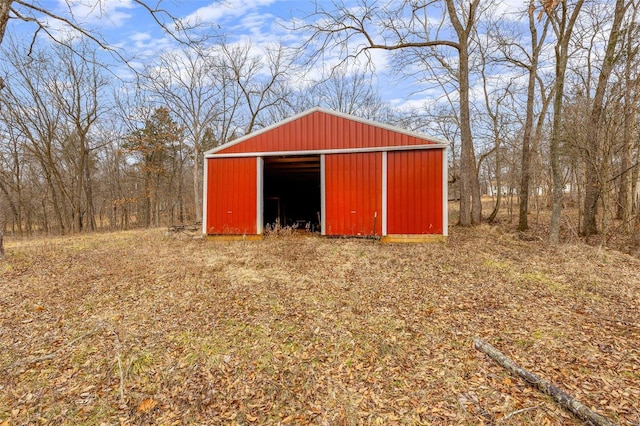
540, 106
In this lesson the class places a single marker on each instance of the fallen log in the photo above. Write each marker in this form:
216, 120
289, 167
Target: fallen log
564, 399
184, 228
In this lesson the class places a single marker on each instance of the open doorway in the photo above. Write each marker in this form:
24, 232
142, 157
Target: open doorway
292, 192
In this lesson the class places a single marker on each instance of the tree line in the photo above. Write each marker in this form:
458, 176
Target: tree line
540, 106
83, 152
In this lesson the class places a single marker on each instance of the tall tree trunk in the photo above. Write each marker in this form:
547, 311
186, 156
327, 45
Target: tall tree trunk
625, 193
525, 175
197, 193
77, 194
45, 216
635, 179
156, 202
5, 7
554, 151
2, 226
147, 200
467, 162
476, 193
563, 27
470, 201
88, 192
181, 217
57, 209
635, 238
623, 211
595, 131
496, 208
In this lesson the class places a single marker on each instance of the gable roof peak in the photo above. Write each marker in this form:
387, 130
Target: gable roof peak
327, 111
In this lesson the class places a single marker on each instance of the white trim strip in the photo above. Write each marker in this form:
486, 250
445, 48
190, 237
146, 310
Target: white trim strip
259, 195
205, 180
329, 112
445, 192
323, 196
384, 194
330, 151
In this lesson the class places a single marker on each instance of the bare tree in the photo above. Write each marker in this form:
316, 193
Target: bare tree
515, 53
260, 77
494, 102
11, 171
410, 28
351, 93
31, 107
631, 94
39, 15
186, 81
79, 96
563, 17
52, 101
594, 163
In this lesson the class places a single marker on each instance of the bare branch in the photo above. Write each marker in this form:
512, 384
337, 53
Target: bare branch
355, 33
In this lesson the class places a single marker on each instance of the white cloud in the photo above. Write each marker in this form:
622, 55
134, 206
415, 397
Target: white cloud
512, 10
148, 45
220, 11
101, 14
140, 37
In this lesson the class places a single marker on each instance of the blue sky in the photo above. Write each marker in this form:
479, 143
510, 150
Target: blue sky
127, 25
123, 22
258, 19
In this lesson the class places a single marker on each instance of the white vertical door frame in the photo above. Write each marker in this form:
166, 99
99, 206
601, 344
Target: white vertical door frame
259, 195
323, 196
445, 193
205, 180
384, 193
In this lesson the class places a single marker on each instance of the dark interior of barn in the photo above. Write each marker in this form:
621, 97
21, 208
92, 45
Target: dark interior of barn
292, 192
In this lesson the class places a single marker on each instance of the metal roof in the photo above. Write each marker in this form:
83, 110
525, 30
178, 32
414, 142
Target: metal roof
233, 150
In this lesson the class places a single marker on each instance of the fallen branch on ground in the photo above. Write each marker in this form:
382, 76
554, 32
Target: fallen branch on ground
564, 399
52, 355
515, 413
119, 358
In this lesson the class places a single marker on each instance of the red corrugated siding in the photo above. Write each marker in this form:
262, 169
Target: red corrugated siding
414, 192
353, 190
319, 130
231, 196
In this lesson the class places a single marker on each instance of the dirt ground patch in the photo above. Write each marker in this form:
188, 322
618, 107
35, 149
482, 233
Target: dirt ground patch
143, 328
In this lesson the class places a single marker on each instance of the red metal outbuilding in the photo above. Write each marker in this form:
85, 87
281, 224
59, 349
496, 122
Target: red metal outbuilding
329, 172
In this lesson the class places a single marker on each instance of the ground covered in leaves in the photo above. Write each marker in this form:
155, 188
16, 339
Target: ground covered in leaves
144, 328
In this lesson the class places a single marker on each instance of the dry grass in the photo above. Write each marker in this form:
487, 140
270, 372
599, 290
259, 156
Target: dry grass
141, 328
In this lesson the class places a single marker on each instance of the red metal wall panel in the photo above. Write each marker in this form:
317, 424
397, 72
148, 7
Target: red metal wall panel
320, 130
353, 194
231, 196
414, 192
